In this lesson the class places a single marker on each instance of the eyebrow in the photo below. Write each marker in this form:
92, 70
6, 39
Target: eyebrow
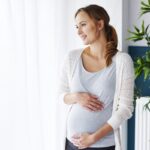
81, 22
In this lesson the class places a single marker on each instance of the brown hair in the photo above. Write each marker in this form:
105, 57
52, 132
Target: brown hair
97, 13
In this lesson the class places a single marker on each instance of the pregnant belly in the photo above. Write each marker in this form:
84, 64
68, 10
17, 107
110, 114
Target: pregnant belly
81, 120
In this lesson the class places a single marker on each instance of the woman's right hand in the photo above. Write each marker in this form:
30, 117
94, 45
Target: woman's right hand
89, 101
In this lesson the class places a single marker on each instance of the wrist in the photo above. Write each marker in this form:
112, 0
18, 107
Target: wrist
72, 97
75, 97
94, 138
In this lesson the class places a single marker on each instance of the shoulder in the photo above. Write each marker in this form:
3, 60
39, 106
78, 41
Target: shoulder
74, 52
124, 57
124, 60
73, 55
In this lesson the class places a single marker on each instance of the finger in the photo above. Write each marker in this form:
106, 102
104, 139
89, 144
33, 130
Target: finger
87, 108
76, 136
91, 108
98, 104
94, 106
76, 144
75, 141
82, 147
97, 101
94, 96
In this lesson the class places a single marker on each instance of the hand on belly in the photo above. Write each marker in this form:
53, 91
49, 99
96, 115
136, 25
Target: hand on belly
83, 140
89, 101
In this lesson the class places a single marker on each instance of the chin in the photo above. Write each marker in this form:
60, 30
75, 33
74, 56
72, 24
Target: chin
86, 42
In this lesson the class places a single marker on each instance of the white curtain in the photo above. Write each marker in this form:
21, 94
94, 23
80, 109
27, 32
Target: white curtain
32, 45
34, 37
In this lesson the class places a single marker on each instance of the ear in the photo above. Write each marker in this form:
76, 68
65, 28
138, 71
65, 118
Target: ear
100, 24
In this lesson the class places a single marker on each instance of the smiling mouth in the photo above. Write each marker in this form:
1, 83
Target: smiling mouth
83, 37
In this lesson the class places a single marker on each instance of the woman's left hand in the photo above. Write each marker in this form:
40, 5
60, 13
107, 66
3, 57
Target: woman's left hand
83, 140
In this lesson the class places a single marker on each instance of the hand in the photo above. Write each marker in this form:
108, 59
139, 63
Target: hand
89, 101
83, 140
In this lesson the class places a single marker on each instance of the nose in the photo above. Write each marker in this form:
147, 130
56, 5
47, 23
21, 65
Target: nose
79, 30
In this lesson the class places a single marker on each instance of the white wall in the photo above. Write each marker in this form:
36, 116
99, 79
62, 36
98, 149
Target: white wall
134, 11
125, 19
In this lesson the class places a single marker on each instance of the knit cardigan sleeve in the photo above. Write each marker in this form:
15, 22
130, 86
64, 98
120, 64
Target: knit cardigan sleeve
124, 99
63, 84
66, 72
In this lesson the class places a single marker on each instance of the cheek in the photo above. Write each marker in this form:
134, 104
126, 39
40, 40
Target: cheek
94, 32
89, 29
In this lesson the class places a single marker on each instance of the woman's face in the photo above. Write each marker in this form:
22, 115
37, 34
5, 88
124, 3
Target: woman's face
86, 28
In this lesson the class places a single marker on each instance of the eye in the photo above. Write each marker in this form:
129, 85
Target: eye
80, 25
76, 27
83, 24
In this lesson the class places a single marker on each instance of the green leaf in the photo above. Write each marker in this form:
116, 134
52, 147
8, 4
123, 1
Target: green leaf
147, 28
146, 72
143, 26
139, 61
144, 12
138, 30
147, 105
148, 57
144, 4
138, 39
132, 38
138, 71
145, 8
135, 40
148, 39
133, 33
141, 34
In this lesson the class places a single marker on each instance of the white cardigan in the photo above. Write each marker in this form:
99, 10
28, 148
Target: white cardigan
123, 98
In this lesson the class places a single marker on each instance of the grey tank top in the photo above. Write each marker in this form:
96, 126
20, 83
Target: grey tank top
101, 83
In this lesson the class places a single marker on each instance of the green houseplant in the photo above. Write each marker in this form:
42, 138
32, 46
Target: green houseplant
142, 63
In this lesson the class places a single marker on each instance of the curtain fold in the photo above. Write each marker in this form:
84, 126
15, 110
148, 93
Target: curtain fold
35, 35
31, 44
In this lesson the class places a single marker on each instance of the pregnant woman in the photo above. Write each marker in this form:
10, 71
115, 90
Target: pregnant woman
97, 82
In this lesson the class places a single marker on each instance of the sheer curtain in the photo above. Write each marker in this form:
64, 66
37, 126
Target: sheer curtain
32, 45
34, 37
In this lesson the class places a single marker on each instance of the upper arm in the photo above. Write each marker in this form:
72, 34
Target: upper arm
63, 85
125, 98
127, 86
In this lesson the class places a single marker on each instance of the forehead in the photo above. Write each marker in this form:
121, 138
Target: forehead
82, 16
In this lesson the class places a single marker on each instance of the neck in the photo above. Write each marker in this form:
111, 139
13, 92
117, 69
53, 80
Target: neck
98, 49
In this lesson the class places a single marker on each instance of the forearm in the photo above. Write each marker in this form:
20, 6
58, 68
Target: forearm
70, 98
103, 131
